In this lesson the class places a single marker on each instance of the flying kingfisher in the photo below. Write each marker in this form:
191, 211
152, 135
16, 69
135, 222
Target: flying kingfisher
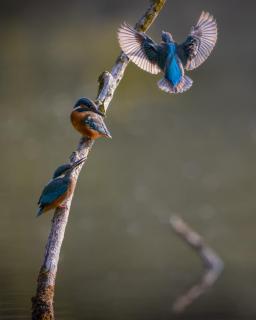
168, 56
59, 188
88, 120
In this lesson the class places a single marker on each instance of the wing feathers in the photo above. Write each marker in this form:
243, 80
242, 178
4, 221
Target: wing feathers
200, 42
135, 45
205, 32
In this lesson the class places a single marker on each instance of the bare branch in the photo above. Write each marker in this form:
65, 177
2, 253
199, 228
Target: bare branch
212, 263
42, 303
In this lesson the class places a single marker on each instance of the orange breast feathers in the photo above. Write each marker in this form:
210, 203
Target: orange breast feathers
78, 121
89, 124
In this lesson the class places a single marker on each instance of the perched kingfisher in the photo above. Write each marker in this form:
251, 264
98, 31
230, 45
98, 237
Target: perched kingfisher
168, 56
88, 120
59, 188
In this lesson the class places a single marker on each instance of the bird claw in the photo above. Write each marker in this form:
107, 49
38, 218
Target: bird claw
63, 206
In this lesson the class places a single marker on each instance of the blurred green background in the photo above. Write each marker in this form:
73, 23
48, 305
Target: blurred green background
191, 154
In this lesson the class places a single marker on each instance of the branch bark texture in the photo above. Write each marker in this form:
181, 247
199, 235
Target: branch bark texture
42, 303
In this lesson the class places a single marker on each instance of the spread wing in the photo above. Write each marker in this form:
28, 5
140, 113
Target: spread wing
53, 191
140, 48
200, 42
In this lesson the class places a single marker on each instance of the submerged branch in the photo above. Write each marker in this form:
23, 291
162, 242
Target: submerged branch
42, 303
212, 263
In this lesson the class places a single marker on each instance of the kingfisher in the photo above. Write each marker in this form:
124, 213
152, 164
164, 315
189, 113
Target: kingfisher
59, 188
168, 56
88, 120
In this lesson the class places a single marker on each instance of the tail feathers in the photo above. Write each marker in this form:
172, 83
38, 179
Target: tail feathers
183, 86
39, 211
104, 130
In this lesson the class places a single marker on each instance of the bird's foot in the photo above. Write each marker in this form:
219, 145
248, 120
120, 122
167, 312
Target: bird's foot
63, 206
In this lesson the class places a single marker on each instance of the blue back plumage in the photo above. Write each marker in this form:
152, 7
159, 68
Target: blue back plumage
173, 71
162, 56
54, 190
61, 170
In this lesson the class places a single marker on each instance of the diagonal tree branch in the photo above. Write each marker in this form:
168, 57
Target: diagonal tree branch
42, 303
212, 263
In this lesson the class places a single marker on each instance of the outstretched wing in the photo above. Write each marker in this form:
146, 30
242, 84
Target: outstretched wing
53, 191
200, 42
140, 48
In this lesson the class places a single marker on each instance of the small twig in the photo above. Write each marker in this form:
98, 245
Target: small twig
212, 263
42, 303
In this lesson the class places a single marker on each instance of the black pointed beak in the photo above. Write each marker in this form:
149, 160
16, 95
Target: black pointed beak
93, 109
88, 105
78, 162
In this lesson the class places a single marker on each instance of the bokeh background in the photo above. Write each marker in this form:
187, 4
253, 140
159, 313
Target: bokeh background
191, 154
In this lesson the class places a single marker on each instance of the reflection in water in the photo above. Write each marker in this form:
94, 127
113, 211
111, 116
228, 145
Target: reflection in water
192, 154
